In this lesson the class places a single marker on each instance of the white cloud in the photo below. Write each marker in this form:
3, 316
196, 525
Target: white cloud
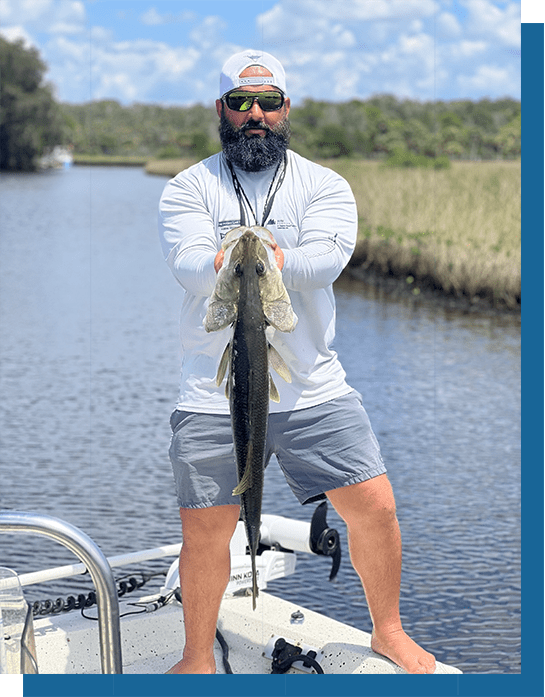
468, 49
65, 28
448, 27
365, 10
121, 84
16, 33
344, 38
152, 17
331, 49
488, 19
27, 18
31, 9
208, 33
488, 79
43, 14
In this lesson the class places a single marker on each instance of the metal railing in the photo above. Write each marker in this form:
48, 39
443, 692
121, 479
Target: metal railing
96, 563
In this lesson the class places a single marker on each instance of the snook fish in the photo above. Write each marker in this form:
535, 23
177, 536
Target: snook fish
250, 295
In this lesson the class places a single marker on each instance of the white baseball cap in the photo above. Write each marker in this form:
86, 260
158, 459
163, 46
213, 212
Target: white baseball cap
230, 74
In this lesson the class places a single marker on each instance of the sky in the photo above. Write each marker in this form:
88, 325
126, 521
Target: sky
170, 52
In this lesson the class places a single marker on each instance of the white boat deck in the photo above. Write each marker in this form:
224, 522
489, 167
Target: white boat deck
152, 642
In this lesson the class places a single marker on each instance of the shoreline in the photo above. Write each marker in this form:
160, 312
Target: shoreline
406, 284
397, 289
111, 160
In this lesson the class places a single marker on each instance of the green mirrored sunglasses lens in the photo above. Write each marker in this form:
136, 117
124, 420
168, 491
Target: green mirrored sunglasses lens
242, 101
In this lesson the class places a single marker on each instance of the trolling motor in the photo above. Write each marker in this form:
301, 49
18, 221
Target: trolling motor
325, 540
316, 537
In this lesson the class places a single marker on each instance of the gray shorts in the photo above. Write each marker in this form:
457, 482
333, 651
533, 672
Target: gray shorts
318, 449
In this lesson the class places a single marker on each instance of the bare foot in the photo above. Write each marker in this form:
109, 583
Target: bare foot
403, 651
192, 667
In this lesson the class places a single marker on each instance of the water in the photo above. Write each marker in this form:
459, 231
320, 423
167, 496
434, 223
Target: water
88, 377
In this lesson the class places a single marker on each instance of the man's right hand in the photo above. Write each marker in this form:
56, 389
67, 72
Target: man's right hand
218, 261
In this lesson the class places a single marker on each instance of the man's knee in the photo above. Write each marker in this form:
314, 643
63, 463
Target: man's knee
208, 527
371, 499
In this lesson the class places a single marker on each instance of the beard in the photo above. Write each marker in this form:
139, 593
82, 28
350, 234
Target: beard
254, 153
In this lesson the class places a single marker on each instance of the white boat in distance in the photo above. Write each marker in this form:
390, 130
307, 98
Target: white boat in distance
145, 634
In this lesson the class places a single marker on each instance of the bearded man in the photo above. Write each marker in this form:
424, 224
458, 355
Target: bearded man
319, 431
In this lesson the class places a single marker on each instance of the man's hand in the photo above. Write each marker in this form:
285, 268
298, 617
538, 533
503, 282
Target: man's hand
218, 261
278, 255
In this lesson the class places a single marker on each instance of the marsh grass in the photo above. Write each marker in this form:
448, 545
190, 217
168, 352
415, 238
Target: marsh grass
110, 160
168, 167
456, 230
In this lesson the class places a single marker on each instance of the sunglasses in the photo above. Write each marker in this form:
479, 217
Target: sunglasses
243, 101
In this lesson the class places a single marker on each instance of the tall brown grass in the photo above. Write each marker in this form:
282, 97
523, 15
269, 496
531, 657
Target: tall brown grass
457, 230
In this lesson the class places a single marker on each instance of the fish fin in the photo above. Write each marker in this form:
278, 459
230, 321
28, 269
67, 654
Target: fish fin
222, 367
280, 315
247, 478
273, 392
279, 364
220, 314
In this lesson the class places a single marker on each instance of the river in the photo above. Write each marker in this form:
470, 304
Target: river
89, 364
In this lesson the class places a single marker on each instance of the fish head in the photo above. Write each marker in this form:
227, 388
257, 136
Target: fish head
249, 257
249, 253
246, 256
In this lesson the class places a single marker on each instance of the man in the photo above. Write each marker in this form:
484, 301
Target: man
319, 431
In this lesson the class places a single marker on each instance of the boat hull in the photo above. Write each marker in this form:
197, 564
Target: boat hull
153, 642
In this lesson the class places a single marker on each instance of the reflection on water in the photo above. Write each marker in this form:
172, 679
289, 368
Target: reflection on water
88, 377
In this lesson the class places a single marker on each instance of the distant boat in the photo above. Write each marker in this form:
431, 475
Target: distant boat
59, 157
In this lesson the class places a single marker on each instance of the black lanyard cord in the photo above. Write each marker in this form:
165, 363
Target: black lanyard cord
243, 200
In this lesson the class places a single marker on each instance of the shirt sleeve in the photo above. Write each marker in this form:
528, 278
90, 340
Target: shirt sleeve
326, 239
187, 234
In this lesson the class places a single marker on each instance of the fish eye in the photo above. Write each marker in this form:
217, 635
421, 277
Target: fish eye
238, 269
260, 268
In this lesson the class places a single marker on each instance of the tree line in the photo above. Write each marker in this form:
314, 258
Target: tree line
30, 119
383, 126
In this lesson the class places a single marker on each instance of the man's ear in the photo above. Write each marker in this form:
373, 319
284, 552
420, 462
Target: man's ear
219, 104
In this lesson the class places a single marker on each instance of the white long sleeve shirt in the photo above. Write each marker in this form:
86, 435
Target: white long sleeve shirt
313, 219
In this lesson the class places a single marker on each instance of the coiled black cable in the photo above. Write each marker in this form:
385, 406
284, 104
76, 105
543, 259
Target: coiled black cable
53, 607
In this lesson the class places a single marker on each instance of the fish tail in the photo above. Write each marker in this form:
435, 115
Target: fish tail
255, 589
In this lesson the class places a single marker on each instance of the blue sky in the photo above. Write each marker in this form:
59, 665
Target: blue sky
171, 51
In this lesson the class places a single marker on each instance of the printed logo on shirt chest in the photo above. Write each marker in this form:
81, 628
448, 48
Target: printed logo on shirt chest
280, 224
225, 225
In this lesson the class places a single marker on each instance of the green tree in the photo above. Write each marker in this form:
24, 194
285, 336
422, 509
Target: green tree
30, 120
334, 141
508, 139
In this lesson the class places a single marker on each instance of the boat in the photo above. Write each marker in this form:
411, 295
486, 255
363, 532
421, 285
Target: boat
58, 157
141, 633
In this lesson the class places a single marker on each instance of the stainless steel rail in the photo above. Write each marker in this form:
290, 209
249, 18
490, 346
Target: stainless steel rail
101, 573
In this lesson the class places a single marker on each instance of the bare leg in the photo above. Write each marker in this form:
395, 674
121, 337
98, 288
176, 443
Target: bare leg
204, 573
374, 539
